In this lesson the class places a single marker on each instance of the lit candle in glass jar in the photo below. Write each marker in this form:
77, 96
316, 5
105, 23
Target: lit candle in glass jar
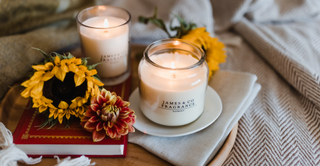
104, 34
173, 81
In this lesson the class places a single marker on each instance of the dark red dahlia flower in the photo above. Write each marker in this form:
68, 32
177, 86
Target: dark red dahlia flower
108, 115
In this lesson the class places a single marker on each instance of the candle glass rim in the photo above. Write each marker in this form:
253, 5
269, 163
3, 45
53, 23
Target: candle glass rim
89, 8
156, 43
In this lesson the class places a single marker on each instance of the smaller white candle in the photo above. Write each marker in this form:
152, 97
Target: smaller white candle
109, 46
172, 97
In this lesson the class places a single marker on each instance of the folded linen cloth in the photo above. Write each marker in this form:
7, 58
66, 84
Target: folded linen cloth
237, 91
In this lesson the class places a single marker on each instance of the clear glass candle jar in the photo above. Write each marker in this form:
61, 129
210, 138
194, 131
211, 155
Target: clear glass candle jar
104, 35
173, 80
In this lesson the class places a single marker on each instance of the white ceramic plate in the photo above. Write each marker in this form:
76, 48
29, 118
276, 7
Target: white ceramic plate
212, 110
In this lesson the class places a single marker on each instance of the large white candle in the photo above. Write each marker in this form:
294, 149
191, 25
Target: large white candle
106, 40
172, 97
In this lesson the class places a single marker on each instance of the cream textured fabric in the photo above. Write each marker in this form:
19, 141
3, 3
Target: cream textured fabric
279, 41
197, 11
237, 91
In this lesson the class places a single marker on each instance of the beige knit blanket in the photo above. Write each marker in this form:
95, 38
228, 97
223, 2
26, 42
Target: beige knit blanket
277, 40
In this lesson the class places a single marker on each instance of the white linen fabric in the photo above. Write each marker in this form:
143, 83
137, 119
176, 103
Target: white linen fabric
237, 91
279, 42
197, 11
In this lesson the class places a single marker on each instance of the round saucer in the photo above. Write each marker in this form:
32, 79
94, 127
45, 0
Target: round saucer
212, 110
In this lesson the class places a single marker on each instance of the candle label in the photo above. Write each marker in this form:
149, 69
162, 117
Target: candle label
177, 106
114, 58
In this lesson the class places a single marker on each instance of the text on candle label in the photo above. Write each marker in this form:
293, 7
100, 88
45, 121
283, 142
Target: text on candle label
177, 106
114, 58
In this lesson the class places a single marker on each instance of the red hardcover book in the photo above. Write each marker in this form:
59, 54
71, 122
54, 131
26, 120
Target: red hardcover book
73, 141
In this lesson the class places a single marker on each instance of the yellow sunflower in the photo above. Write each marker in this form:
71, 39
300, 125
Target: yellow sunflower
214, 49
62, 86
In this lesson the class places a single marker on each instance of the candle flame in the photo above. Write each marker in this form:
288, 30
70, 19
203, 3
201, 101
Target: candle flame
106, 23
176, 43
172, 65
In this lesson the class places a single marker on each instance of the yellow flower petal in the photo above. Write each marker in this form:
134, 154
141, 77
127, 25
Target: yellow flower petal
26, 83
78, 80
60, 118
37, 90
77, 61
44, 99
73, 68
68, 114
64, 67
73, 105
47, 76
63, 105
57, 60
55, 70
213, 48
39, 67
49, 65
36, 103
97, 82
60, 74
91, 72
53, 112
37, 75
26, 92
42, 108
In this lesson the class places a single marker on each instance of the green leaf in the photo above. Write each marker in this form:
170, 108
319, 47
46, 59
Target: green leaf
69, 56
53, 123
58, 55
143, 20
48, 58
154, 20
84, 61
90, 67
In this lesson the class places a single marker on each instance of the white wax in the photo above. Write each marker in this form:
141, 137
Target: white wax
109, 46
171, 97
